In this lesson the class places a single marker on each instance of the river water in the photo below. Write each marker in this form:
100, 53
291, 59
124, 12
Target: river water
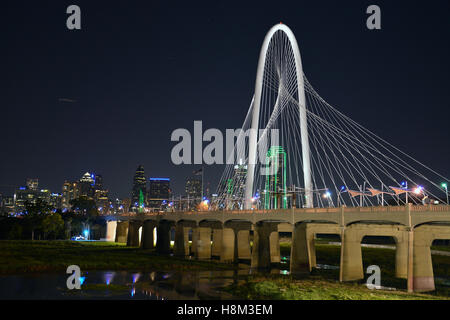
155, 285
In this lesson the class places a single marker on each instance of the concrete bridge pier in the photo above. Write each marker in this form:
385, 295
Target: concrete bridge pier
351, 256
243, 245
181, 245
217, 242
423, 277
301, 250
274, 240
111, 227
401, 255
194, 241
133, 234
148, 241
241, 239
261, 244
227, 253
217, 234
163, 236
122, 231
203, 250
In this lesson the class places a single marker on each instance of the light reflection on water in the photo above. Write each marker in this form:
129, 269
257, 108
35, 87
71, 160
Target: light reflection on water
153, 285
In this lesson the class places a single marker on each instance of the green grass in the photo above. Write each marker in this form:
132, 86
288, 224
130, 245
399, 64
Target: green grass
46, 256
384, 258
315, 288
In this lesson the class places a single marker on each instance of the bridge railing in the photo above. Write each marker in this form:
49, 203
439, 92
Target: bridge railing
374, 209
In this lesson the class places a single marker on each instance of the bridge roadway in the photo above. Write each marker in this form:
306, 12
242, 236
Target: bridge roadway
227, 235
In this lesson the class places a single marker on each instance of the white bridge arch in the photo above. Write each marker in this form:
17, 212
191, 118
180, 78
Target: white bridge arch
253, 139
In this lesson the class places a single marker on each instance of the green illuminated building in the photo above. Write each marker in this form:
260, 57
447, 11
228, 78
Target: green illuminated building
275, 188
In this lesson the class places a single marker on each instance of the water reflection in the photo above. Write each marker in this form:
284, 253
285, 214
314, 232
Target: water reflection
154, 285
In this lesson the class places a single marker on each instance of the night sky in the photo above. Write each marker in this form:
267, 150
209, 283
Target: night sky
106, 98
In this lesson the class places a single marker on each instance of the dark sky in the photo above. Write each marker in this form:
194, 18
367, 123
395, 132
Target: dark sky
140, 69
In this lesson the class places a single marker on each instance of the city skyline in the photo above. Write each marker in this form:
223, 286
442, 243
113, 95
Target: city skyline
107, 115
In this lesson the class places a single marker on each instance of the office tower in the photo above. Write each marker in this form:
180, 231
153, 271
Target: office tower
70, 191
86, 185
275, 187
158, 192
139, 190
32, 184
193, 187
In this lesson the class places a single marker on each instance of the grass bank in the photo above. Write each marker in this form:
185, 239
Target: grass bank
316, 288
46, 256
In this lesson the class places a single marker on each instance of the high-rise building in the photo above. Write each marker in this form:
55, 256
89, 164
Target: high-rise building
56, 200
8, 205
32, 184
98, 182
193, 187
158, 193
139, 191
275, 188
70, 191
86, 184
24, 195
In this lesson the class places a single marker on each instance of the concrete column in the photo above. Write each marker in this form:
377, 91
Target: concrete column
300, 250
401, 257
194, 240
423, 277
147, 234
203, 243
111, 230
274, 247
217, 242
163, 237
261, 244
243, 243
122, 231
351, 264
133, 234
227, 253
181, 246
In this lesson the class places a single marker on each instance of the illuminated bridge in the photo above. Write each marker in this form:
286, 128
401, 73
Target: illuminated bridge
307, 169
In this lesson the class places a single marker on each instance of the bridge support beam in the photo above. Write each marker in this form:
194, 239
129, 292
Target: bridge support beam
163, 236
203, 243
148, 241
122, 231
261, 244
351, 262
111, 227
243, 245
241, 231
227, 253
301, 249
181, 245
401, 256
423, 277
194, 242
274, 239
133, 234
217, 242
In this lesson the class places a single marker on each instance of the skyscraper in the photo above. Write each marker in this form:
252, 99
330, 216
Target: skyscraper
193, 187
32, 184
70, 191
158, 192
87, 185
275, 188
139, 190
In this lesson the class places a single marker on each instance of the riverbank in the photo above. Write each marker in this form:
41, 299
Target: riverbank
18, 257
316, 288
